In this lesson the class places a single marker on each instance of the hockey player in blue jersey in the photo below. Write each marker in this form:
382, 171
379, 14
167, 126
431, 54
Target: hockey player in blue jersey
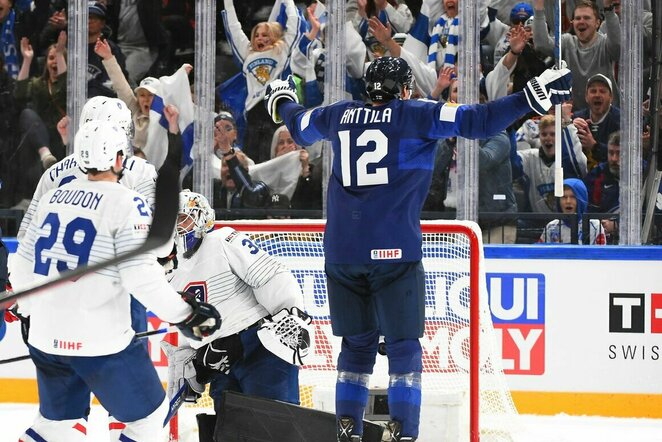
81, 340
382, 168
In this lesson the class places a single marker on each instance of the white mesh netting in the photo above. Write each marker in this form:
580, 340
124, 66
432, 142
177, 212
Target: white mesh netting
446, 344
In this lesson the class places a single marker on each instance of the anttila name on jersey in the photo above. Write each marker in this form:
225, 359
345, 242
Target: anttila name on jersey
364, 115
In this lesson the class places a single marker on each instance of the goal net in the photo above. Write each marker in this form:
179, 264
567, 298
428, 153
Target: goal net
465, 395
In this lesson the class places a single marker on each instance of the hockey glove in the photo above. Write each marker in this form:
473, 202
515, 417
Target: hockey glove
554, 86
12, 314
181, 370
287, 335
169, 263
279, 90
202, 322
220, 354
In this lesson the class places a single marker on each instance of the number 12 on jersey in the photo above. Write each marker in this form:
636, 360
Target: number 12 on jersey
364, 177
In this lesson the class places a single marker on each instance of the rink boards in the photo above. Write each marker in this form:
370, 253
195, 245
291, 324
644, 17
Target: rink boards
580, 330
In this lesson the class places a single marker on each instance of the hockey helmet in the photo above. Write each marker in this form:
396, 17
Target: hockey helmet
91, 109
196, 218
113, 110
97, 144
387, 77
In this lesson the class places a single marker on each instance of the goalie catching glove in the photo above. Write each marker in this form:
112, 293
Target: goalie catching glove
202, 322
287, 335
279, 90
554, 86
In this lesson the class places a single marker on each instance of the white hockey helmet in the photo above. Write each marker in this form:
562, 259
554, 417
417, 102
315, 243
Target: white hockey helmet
196, 218
113, 110
91, 109
97, 144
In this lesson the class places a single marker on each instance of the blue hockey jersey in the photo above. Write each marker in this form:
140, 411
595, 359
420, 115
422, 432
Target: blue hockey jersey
383, 157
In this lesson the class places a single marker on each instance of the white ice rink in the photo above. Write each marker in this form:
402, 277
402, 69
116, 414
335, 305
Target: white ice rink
15, 418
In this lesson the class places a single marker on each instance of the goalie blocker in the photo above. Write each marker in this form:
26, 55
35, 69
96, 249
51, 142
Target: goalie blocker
252, 419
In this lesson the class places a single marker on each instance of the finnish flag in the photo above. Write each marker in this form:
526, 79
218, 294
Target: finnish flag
174, 89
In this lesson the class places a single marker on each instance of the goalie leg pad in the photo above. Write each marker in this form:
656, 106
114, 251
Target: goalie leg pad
181, 368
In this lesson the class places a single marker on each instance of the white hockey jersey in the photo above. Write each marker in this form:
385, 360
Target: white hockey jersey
139, 175
242, 281
88, 222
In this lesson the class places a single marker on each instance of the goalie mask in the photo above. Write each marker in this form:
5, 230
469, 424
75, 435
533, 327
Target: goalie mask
387, 77
195, 219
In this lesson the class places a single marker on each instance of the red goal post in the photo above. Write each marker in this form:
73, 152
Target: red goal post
462, 364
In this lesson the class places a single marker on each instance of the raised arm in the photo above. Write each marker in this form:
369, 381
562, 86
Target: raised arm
120, 83
293, 22
60, 47
28, 54
541, 38
613, 28
238, 41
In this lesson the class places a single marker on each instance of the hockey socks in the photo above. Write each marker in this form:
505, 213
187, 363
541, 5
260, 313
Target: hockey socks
404, 401
352, 397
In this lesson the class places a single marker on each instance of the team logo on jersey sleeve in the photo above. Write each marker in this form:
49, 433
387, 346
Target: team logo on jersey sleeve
198, 288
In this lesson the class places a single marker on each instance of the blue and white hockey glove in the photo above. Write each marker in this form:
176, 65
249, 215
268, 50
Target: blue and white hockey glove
554, 86
202, 322
279, 90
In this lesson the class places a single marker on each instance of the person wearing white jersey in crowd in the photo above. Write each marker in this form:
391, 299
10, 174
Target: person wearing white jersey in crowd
253, 352
81, 340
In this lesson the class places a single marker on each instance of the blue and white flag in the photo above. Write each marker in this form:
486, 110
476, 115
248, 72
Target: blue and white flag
418, 40
176, 90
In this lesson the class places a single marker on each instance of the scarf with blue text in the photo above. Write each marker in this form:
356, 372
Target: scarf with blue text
8, 45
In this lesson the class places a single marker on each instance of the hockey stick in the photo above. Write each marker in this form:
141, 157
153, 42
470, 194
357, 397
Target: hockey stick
166, 207
558, 115
140, 335
177, 401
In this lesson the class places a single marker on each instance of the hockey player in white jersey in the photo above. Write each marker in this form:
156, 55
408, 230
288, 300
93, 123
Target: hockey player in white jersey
253, 352
81, 339
138, 174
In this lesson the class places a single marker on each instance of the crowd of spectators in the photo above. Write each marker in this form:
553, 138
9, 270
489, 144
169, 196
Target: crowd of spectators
256, 164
